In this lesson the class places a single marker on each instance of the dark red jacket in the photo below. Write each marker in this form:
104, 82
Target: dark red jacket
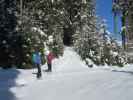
50, 57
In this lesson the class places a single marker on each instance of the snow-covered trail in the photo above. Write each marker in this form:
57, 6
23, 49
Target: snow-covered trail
72, 80
62, 84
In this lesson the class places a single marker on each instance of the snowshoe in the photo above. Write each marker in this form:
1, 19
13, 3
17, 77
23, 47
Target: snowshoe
48, 70
39, 75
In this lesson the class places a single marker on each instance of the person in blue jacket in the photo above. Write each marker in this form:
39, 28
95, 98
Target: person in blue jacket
36, 57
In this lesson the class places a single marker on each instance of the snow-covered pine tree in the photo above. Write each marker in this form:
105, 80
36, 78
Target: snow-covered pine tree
111, 52
37, 21
32, 36
56, 21
86, 37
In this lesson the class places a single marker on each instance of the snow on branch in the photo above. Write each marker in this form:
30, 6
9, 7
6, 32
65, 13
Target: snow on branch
35, 29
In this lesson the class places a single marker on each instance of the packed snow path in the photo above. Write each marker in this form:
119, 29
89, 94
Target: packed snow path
71, 80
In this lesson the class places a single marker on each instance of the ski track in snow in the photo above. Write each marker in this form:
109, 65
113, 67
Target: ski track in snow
71, 79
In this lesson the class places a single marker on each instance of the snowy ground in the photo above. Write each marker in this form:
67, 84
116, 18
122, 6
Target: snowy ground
70, 80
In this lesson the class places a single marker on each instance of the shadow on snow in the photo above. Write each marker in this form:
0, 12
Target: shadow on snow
127, 72
7, 81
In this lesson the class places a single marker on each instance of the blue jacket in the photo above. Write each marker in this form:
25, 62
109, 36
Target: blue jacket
36, 58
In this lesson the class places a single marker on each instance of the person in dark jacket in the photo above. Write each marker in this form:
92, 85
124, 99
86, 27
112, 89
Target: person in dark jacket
36, 57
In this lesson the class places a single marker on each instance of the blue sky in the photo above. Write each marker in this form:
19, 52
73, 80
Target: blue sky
104, 10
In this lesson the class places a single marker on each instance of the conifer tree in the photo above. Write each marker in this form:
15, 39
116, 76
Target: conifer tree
92, 44
86, 42
10, 40
39, 21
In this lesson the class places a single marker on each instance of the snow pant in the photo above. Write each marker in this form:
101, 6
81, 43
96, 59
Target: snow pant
124, 40
49, 67
39, 74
